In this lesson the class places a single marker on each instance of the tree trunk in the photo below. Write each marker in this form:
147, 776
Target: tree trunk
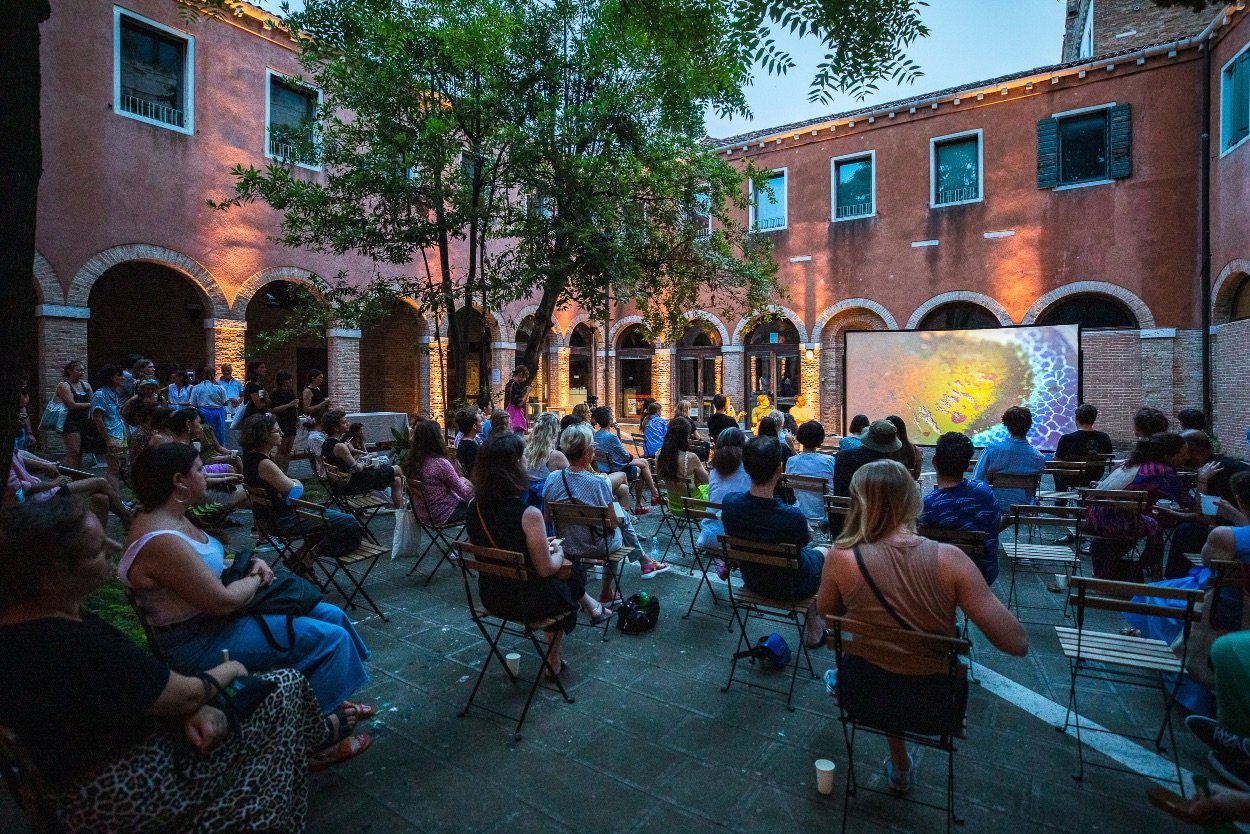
543, 326
21, 150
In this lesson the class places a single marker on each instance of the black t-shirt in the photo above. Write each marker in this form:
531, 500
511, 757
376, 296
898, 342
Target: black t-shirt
77, 693
1083, 445
717, 423
249, 407
286, 419
466, 454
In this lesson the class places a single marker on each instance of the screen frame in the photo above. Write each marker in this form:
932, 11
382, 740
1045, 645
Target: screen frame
1080, 360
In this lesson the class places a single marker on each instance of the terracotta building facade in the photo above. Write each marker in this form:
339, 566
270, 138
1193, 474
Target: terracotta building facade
1083, 192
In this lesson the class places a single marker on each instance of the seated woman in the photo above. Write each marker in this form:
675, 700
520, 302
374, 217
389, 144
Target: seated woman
135, 746
881, 573
698, 443
356, 437
500, 518
653, 428
908, 454
446, 493
727, 476
260, 437
500, 423
680, 467
580, 484
338, 454
149, 420
225, 484
175, 570
773, 426
1150, 468
98, 491
541, 455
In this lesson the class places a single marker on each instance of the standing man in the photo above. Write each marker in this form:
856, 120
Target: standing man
233, 389
1013, 456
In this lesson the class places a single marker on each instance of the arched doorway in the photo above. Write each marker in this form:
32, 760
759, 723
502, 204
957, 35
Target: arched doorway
1091, 312
539, 387
390, 361
1239, 308
150, 310
475, 337
772, 363
581, 363
959, 315
699, 366
274, 309
633, 368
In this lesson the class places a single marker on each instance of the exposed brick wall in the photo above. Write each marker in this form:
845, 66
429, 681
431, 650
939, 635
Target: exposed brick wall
1111, 380
731, 378
227, 340
1232, 386
433, 364
390, 363
560, 383
343, 352
1128, 24
61, 341
262, 319
810, 374
146, 309
662, 388
830, 358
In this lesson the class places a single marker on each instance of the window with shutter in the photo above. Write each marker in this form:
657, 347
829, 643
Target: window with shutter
153, 72
1048, 153
1084, 147
1235, 101
291, 128
1121, 132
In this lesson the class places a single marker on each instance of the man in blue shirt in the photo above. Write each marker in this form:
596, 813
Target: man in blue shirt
637, 470
760, 516
1013, 456
960, 504
812, 463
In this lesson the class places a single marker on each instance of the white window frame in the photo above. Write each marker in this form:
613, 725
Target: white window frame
871, 156
706, 231
785, 204
188, 70
1223, 70
1080, 111
270, 74
937, 140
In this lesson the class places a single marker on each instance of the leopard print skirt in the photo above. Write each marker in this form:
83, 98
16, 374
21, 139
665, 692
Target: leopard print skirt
256, 780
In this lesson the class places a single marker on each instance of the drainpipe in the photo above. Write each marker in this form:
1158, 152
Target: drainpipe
1205, 224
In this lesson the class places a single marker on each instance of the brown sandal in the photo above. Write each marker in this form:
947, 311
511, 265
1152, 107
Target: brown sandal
348, 748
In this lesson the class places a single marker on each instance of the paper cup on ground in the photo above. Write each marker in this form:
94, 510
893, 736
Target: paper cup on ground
824, 776
1061, 581
513, 659
1210, 504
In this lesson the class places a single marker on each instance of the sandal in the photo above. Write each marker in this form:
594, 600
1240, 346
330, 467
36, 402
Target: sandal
341, 751
550, 678
363, 712
824, 638
605, 614
613, 600
339, 725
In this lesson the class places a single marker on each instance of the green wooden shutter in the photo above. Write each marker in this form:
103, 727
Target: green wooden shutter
1121, 142
1047, 153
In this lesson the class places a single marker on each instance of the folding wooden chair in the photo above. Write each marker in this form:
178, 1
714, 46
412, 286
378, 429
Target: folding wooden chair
675, 523
1042, 559
1116, 554
602, 523
747, 605
697, 511
878, 646
292, 547
808, 485
510, 567
1002, 480
27, 785
1124, 659
438, 536
837, 507
362, 506
639, 444
149, 631
1064, 473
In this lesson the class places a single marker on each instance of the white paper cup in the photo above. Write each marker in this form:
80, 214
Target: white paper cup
824, 776
513, 659
1210, 504
1061, 581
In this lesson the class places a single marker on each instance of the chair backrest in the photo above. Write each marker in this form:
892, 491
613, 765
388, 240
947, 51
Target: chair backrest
26, 784
505, 564
837, 505
1037, 515
686, 487
567, 513
765, 554
697, 509
1003, 480
1110, 595
601, 458
1117, 498
141, 615
971, 542
805, 483
877, 644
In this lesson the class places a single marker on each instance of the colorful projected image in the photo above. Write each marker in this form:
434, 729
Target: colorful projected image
963, 380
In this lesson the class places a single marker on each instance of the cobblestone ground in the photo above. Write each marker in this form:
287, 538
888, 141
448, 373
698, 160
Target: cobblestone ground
652, 744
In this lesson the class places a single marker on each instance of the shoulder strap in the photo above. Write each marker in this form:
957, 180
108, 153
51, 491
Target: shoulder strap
478, 506
132, 552
564, 475
889, 609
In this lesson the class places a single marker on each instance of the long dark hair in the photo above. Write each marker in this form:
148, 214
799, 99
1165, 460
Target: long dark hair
1156, 449
768, 428
729, 445
427, 443
676, 440
498, 474
152, 474
906, 454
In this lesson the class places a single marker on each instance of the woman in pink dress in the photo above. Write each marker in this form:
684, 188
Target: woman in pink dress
515, 393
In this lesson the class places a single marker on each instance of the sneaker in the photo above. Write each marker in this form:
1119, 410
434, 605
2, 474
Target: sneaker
1232, 769
654, 569
831, 682
900, 780
641, 510
1210, 733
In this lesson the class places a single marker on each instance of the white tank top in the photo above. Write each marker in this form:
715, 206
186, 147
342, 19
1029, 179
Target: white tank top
162, 606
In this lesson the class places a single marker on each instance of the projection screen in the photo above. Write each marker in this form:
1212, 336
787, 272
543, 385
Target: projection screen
963, 380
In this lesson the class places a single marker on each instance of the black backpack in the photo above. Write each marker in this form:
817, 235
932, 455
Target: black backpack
638, 614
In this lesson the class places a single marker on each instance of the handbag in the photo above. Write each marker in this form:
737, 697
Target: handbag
240, 698
287, 594
407, 536
54, 414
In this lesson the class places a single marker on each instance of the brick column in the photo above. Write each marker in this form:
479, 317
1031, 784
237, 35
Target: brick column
503, 358
830, 411
559, 386
62, 339
343, 352
1157, 348
1232, 386
731, 376
662, 387
433, 361
811, 378
225, 342
602, 375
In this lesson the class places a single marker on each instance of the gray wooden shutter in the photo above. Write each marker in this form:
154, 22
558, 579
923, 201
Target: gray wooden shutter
1121, 142
1048, 153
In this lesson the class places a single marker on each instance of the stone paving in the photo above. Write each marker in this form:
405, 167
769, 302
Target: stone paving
651, 744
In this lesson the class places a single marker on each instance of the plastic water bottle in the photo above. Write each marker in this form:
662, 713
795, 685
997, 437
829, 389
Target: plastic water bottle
655, 548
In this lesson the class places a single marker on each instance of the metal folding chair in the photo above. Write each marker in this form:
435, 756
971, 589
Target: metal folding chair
704, 558
1027, 557
602, 522
808, 485
27, 785
674, 523
438, 536
1116, 553
362, 506
512, 568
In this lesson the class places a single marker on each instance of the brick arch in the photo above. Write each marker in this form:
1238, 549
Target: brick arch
863, 305
415, 309
1224, 288
258, 280
493, 321
786, 312
48, 289
80, 288
618, 327
710, 318
582, 318
557, 335
1145, 319
1000, 312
